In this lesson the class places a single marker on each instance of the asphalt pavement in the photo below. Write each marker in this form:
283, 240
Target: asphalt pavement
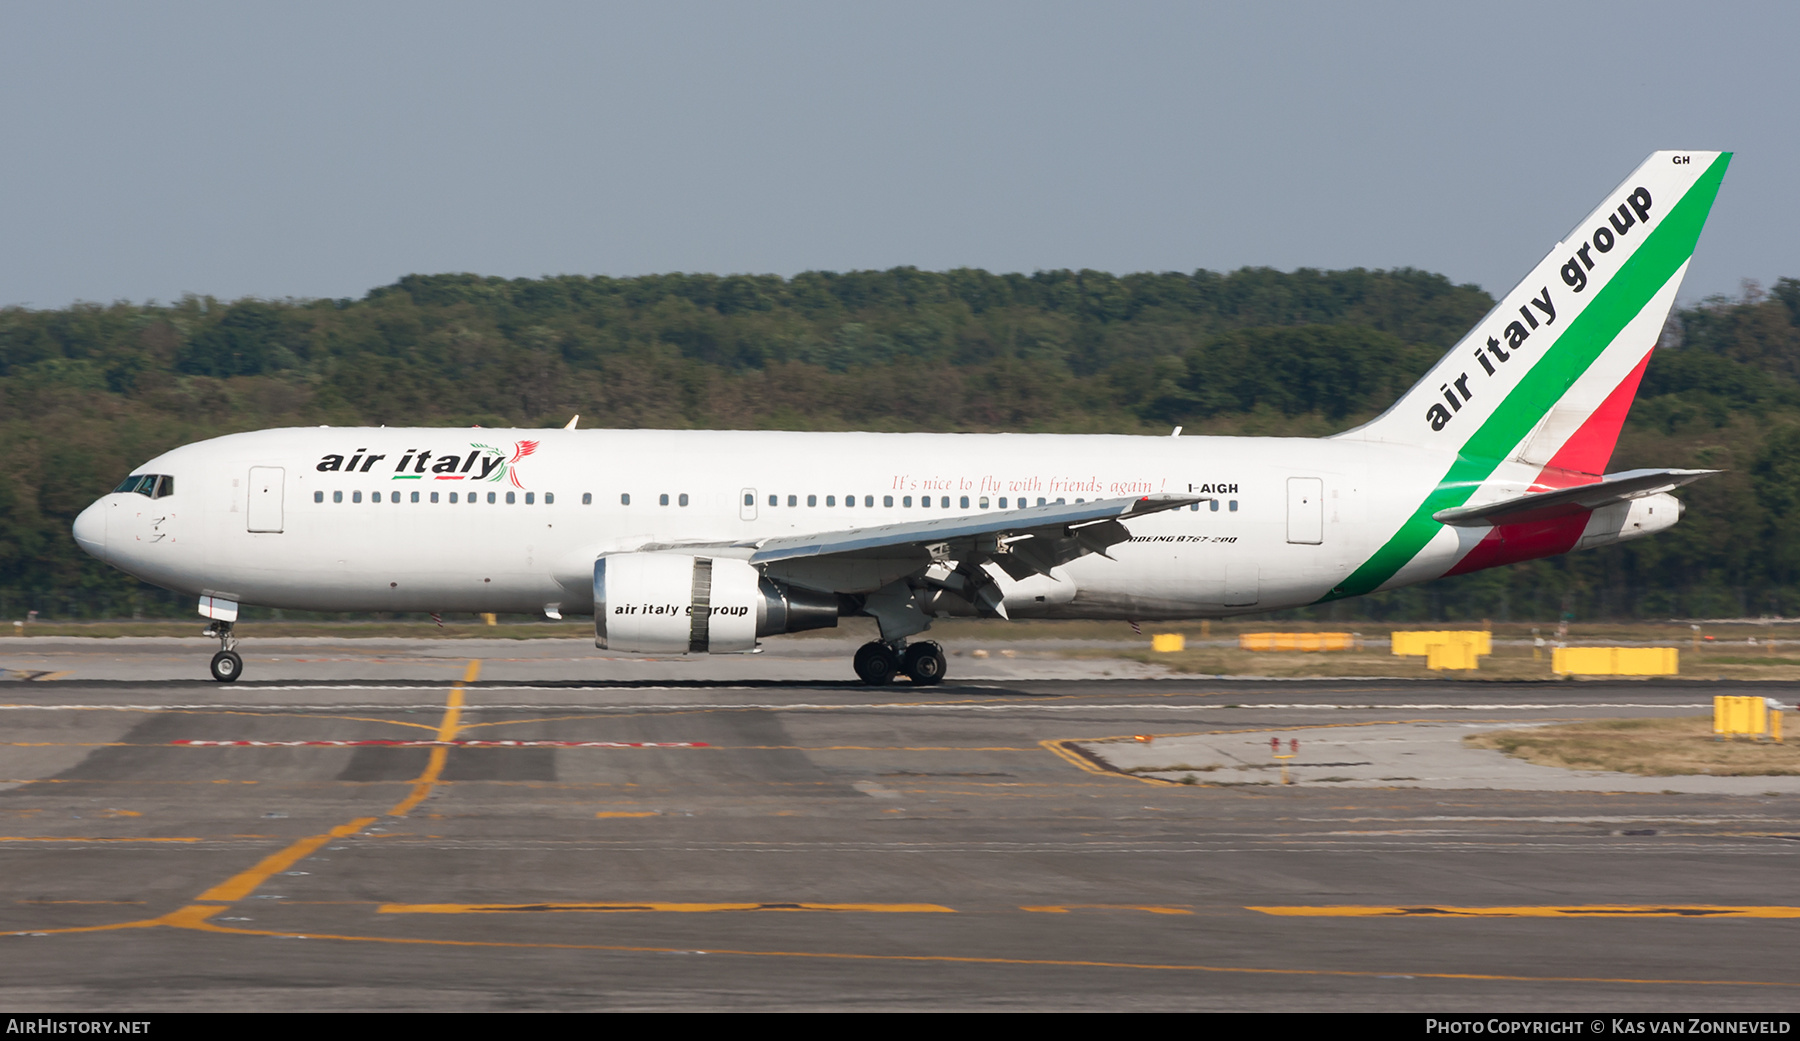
451, 825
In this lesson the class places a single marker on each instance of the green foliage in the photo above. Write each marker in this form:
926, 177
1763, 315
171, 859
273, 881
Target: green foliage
90, 391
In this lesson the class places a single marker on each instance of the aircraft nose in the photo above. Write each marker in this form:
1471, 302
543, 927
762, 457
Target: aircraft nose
90, 529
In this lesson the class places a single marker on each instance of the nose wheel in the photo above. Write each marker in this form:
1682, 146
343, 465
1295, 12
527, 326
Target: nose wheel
226, 665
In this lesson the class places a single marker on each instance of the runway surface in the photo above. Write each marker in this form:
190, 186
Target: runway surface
461, 834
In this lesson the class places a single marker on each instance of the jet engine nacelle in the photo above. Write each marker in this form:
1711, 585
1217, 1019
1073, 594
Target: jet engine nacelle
677, 603
1631, 519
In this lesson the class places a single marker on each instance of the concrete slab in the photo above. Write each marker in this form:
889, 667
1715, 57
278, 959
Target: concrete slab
1399, 755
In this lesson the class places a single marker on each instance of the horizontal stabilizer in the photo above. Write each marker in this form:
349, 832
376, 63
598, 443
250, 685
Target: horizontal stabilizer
1629, 484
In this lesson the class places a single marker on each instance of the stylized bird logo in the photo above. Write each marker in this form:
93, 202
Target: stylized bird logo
521, 449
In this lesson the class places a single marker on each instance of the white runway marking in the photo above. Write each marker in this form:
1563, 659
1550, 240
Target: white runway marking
910, 706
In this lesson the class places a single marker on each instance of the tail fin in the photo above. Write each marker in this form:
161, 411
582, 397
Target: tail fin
1534, 396
1547, 377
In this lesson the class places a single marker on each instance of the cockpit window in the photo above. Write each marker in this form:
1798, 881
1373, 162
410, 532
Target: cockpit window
153, 486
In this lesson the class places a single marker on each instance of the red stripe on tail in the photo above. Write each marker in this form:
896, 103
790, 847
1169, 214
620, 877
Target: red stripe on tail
1583, 458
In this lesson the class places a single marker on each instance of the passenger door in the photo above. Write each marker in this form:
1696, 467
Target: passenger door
1306, 510
264, 512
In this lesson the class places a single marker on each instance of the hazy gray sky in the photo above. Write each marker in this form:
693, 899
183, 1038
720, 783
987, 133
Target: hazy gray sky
322, 149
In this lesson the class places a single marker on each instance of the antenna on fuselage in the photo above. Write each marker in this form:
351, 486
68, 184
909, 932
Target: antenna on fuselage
570, 425
1176, 433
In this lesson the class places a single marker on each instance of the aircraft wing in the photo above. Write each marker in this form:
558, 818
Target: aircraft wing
1628, 484
1021, 542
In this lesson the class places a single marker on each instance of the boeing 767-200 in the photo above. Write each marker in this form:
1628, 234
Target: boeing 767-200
698, 542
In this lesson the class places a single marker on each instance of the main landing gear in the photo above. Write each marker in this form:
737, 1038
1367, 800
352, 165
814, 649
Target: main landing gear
922, 662
226, 665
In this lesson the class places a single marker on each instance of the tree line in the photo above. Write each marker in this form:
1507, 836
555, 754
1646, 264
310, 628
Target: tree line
89, 391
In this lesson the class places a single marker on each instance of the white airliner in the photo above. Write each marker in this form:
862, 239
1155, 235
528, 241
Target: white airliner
691, 542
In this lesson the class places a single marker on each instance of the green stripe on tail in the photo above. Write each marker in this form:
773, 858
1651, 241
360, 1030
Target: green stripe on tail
1626, 294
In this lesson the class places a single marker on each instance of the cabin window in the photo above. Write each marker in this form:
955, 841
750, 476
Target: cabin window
793, 500
750, 499
549, 498
887, 500
415, 496
355, 496
944, 502
831, 500
682, 500
434, 496
1060, 502
587, 498
337, 496
869, 501
1233, 506
663, 499
774, 500
965, 502
849, 500
812, 500
907, 502
624, 498
1003, 502
453, 498
318, 496
530, 497
491, 498
983, 503
924, 502
1213, 505
1041, 501
509, 498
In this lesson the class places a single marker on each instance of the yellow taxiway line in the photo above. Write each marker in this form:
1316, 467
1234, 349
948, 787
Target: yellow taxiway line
617, 906
1540, 911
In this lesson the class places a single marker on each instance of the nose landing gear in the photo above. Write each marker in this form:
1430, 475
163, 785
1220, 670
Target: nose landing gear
226, 665
877, 663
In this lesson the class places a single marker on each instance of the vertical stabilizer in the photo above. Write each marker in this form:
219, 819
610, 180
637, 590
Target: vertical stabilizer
1536, 371
1536, 393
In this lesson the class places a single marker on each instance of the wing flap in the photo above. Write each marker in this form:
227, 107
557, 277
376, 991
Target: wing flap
997, 526
1065, 532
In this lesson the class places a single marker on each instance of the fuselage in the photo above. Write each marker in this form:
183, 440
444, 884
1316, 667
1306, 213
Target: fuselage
447, 519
